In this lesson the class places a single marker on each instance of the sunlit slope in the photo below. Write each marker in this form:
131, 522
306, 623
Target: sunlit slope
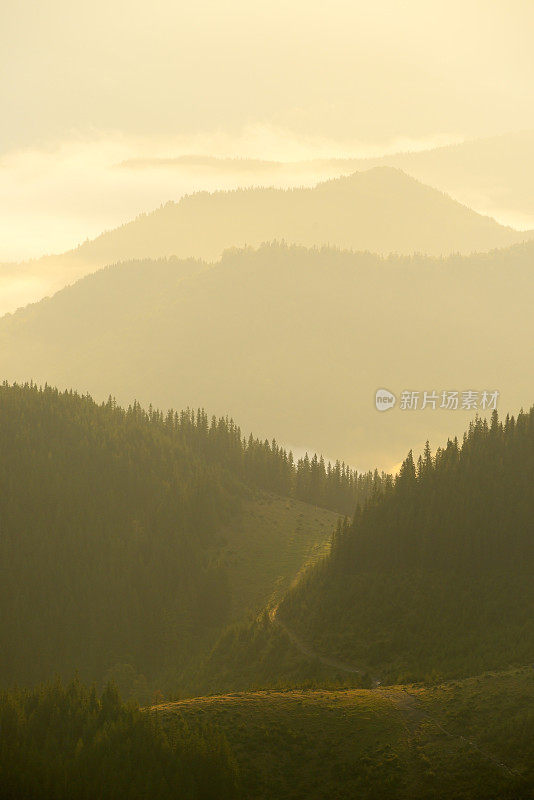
267, 546
467, 740
292, 342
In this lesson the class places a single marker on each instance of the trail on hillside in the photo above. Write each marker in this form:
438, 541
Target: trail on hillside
408, 703
308, 651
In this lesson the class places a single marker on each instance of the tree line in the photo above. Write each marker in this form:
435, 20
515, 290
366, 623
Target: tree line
267, 465
433, 575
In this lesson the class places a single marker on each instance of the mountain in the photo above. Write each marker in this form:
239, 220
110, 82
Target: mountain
292, 342
492, 175
381, 210
433, 577
131, 539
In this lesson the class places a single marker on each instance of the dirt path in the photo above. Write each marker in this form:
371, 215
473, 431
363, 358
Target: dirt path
308, 651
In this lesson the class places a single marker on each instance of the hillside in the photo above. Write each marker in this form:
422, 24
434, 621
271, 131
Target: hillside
273, 539
434, 575
430, 580
133, 539
467, 740
381, 210
292, 342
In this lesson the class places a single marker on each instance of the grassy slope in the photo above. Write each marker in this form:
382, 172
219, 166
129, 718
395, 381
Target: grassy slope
271, 542
263, 551
448, 741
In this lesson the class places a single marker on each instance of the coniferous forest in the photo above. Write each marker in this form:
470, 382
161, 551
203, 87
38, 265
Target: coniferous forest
432, 577
266, 400
67, 741
112, 568
111, 526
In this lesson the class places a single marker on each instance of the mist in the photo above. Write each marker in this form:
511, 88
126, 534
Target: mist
53, 199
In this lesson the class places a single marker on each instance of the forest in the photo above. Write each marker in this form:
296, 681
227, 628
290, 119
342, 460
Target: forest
432, 578
266, 400
112, 524
68, 742
110, 556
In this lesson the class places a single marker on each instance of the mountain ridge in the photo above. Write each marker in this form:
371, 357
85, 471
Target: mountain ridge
380, 210
371, 180
264, 329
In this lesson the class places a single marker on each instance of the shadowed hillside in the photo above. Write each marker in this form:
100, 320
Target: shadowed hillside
432, 579
292, 342
67, 743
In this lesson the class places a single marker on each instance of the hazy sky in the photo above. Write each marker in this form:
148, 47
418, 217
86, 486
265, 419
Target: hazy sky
83, 85
344, 69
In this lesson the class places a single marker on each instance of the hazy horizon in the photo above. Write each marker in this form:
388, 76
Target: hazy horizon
234, 79
353, 71
53, 199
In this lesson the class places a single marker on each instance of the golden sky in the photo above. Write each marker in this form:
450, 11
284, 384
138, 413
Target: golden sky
372, 71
